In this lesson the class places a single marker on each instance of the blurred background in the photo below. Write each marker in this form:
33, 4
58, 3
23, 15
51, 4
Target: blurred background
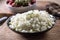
2, 9
57, 1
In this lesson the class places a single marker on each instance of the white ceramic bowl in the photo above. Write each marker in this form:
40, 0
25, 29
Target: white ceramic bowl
21, 9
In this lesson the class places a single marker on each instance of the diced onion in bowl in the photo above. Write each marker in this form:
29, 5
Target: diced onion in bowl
31, 21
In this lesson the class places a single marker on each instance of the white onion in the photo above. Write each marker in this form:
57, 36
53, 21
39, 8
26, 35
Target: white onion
32, 21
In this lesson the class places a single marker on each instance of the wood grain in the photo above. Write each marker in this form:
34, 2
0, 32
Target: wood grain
53, 34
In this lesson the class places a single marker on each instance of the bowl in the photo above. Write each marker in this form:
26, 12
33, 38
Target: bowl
21, 9
28, 32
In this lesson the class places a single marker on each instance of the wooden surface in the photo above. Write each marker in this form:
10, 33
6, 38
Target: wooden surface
7, 34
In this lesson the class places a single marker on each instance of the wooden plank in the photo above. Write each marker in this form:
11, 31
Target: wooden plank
53, 34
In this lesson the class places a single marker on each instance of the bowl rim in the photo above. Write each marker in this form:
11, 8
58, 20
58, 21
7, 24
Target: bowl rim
29, 32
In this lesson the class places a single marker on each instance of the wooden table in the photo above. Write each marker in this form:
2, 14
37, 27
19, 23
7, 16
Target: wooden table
7, 34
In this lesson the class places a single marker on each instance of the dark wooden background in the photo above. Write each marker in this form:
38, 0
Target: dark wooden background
7, 34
